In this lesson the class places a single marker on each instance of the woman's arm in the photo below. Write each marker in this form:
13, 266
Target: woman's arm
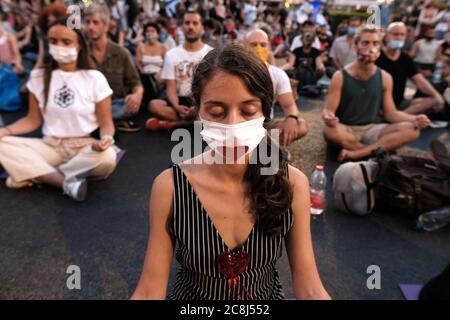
30, 122
305, 277
27, 37
291, 61
104, 117
158, 259
121, 38
18, 68
138, 58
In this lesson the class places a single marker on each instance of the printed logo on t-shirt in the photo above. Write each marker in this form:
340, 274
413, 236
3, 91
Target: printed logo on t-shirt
184, 70
64, 97
306, 62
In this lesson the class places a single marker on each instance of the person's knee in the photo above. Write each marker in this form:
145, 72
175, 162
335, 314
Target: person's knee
303, 130
332, 134
414, 134
107, 161
409, 131
155, 105
328, 133
437, 107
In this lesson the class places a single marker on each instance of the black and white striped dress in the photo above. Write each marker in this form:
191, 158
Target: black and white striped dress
199, 244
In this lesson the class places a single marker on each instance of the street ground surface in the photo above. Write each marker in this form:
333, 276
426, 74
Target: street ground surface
43, 232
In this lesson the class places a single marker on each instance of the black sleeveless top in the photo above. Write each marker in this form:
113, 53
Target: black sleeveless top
199, 244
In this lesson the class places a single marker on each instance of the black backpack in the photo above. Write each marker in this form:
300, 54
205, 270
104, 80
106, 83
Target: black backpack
414, 185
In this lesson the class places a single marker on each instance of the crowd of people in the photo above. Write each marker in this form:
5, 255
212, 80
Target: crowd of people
180, 63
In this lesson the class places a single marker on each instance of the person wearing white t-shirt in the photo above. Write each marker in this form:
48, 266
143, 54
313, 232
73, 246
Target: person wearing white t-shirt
70, 100
293, 127
249, 12
179, 64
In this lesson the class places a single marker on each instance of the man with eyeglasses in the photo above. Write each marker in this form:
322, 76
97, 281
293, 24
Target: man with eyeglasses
401, 67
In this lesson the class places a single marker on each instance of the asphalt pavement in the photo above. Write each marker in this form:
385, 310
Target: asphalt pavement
42, 233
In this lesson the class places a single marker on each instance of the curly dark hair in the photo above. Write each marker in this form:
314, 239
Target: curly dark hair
270, 195
153, 25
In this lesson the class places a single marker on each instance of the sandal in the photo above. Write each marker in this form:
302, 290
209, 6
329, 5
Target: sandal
128, 126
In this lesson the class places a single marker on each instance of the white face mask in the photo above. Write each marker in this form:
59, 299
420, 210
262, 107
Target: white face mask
245, 135
63, 55
396, 44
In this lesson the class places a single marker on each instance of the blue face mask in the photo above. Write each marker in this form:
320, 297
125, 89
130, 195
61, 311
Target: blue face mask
396, 44
352, 31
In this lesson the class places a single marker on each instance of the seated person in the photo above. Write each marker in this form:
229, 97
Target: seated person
425, 51
401, 67
150, 59
306, 63
355, 97
117, 66
238, 209
115, 34
342, 50
9, 50
325, 38
326, 41
294, 126
179, 64
71, 100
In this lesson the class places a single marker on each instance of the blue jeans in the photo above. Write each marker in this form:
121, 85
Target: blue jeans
118, 110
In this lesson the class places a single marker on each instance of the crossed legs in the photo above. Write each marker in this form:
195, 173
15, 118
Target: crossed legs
390, 138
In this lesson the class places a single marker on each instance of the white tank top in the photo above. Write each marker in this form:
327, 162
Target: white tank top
426, 51
152, 64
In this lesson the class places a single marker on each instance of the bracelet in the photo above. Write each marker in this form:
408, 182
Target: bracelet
108, 137
293, 116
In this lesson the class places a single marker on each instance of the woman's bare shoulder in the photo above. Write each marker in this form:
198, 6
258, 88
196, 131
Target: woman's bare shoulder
297, 178
163, 182
162, 196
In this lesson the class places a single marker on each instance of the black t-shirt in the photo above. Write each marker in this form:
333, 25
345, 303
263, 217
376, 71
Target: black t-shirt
400, 70
306, 59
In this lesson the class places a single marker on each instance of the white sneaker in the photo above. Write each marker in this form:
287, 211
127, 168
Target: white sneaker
13, 184
76, 189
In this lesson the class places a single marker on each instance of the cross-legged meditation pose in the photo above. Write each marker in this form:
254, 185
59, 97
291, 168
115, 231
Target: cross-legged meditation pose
357, 95
70, 100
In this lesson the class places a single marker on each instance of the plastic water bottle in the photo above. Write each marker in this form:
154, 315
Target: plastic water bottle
433, 220
437, 74
318, 188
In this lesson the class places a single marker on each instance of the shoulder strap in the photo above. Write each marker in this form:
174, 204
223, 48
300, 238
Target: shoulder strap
369, 186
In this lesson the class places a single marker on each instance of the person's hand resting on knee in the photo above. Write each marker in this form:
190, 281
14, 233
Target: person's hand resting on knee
103, 144
421, 121
133, 102
330, 119
183, 111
